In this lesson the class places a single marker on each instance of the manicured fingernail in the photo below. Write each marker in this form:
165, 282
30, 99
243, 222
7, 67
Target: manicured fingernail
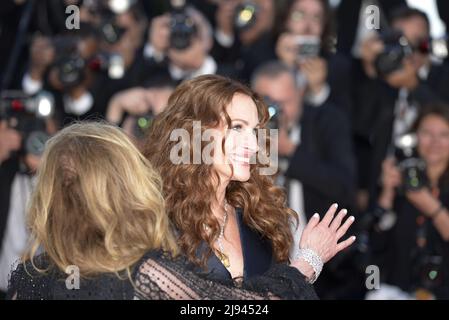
353, 238
335, 205
352, 218
344, 211
316, 215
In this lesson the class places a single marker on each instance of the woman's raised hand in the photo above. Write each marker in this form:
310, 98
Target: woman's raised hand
323, 236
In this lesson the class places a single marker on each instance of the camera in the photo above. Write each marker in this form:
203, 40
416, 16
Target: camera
110, 31
396, 48
428, 272
274, 111
182, 27
143, 123
69, 65
70, 70
27, 114
308, 46
412, 167
245, 15
15, 104
105, 13
111, 63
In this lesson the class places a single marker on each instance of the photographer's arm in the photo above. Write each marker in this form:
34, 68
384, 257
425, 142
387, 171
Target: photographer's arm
432, 208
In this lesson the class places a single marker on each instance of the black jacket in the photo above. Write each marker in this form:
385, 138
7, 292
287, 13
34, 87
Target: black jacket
324, 161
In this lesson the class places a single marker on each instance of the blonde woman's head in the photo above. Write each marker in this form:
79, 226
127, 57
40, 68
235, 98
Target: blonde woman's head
97, 203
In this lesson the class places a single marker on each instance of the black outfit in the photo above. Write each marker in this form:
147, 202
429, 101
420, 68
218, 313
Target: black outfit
402, 262
262, 50
257, 255
157, 276
339, 81
324, 161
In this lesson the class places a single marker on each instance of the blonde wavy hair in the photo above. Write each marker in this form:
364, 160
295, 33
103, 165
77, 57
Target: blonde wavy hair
97, 203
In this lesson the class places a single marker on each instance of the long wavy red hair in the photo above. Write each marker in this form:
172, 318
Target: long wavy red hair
188, 188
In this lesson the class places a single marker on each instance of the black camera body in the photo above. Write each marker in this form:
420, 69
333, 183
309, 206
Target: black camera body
182, 28
143, 124
411, 165
109, 30
110, 63
70, 70
396, 48
27, 114
69, 65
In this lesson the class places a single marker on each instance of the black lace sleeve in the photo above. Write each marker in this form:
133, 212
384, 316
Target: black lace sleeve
161, 277
27, 284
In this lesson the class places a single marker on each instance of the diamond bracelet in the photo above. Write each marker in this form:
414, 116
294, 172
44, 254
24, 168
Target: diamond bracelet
312, 258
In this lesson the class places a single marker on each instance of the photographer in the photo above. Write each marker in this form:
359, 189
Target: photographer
415, 254
83, 68
179, 45
395, 77
59, 65
306, 44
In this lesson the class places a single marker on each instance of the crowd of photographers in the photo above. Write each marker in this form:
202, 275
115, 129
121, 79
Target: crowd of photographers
362, 113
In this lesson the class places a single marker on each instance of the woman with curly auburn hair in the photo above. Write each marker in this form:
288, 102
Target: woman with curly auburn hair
230, 218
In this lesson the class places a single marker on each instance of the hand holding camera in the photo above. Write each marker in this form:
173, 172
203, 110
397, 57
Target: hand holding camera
315, 71
134, 101
389, 56
405, 77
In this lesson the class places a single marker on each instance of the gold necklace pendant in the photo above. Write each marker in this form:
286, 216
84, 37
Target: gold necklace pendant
224, 259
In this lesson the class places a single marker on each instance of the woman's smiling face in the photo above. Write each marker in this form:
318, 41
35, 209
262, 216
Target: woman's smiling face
240, 140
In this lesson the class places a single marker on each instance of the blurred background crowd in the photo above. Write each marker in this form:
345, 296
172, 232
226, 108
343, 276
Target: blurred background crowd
360, 95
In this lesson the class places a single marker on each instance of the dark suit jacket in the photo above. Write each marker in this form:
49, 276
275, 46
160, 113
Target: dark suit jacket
324, 161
